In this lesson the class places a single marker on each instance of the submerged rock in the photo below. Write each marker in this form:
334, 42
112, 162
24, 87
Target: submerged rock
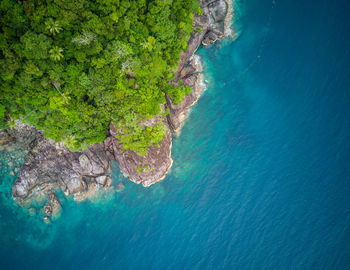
32, 211
46, 219
52, 208
120, 187
108, 182
88, 190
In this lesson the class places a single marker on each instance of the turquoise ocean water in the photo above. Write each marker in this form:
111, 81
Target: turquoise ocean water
261, 174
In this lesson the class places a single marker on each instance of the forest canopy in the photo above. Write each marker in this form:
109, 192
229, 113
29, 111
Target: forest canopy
70, 68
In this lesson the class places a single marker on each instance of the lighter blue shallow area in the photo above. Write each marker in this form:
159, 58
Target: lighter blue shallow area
261, 174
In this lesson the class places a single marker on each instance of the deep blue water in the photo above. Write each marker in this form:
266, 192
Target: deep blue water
261, 174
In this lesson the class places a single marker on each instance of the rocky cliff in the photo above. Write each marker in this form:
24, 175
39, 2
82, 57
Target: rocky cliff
213, 24
50, 166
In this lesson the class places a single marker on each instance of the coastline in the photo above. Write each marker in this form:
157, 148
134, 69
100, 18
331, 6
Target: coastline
198, 87
194, 78
50, 166
229, 32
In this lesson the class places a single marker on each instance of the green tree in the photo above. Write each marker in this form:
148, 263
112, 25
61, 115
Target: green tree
56, 53
113, 61
53, 26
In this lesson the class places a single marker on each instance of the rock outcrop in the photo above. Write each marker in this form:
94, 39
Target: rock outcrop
52, 208
212, 25
192, 77
145, 170
50, 166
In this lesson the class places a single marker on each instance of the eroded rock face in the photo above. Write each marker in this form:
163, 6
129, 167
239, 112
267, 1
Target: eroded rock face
15, 145
190, 76
51, 165
218, 17
213, 24
145, 170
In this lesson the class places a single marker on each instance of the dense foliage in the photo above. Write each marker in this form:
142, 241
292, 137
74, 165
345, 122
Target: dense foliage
71, 67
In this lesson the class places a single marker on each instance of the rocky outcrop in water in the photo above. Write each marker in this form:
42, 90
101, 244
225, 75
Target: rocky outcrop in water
145, 170
212, 25
50, 166
191, 76
52, 208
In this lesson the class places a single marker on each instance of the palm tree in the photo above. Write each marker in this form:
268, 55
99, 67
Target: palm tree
56, 53
145, 45
53, 26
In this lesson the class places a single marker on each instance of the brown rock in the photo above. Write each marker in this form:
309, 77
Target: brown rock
120, 187
108, 182
157, 161
178, 113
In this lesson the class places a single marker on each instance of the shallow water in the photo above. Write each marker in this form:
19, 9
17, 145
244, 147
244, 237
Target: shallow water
261, 176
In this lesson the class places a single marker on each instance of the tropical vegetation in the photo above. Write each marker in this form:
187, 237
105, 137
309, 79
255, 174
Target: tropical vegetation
70, 68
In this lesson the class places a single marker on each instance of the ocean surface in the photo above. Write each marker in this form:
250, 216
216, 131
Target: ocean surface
261, 174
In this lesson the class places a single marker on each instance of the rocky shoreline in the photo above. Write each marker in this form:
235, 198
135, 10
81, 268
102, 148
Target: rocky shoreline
50, 166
